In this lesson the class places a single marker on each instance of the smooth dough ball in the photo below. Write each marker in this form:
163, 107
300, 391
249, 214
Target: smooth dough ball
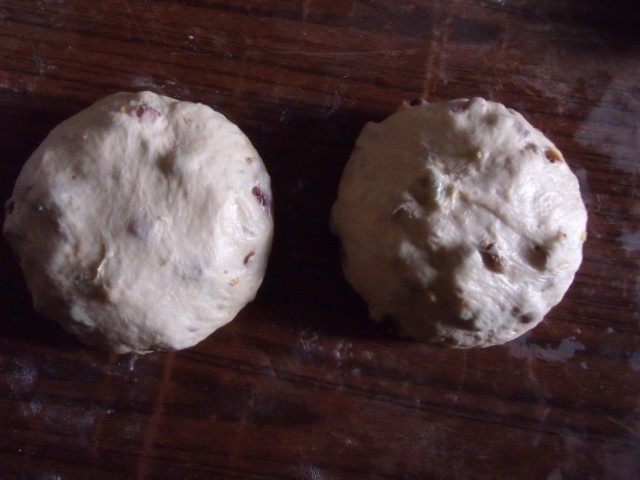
460, 221
142, 222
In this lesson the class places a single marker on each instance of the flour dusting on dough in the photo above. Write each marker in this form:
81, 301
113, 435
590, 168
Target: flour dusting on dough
460, 221
142, 222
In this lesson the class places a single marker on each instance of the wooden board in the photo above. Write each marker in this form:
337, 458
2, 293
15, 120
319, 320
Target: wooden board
302, 385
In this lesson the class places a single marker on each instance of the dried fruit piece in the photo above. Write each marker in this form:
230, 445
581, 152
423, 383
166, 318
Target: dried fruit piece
492, 260
526, 319
491, 119
553, 155
247, 257
537, 257
140, 226
145, 111
263, 198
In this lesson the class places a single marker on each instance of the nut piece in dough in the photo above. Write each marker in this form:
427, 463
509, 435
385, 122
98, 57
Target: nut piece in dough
142, 222
460, 221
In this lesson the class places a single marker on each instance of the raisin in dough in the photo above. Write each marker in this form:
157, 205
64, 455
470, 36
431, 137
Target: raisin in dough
460, 221
142, 222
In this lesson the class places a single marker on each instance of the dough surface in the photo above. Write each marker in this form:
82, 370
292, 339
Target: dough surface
142, 222
460, 221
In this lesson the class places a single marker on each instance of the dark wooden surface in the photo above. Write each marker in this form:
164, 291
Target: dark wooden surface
301, 385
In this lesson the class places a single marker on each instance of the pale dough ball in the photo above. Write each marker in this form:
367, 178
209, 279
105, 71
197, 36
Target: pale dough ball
460, 221
142, 222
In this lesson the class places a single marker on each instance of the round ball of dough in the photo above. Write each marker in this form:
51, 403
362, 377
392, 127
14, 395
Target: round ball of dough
142, 222
460, 221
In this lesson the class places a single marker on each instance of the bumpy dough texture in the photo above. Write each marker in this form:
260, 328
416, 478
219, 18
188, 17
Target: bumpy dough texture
460, 221
142, 222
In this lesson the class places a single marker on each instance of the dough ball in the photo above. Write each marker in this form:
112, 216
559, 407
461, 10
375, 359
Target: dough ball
460, 221
142, 222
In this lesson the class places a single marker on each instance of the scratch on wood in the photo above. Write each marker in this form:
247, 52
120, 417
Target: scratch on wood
442, 49
103, 392
501, 61
306, 4
436, 49
239, 441
622, 425
339, 53
151, 432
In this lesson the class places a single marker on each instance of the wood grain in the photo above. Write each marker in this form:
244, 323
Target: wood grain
302, 385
